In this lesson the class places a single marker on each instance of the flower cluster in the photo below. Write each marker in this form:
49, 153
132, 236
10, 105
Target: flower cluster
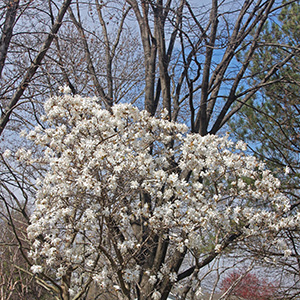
112, 177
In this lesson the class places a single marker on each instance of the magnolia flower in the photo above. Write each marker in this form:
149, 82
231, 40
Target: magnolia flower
152, 279
36, 269
6, 153
65, 89
287, 252
287, 170
156, 295
112, 181
134, 184
218, 248
173, 277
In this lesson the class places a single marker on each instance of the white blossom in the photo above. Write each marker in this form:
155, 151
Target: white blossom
287, 252
6, 153
65, 89
156, 295
110, 185
131, 275
173, 277
36, 269
199, 292
218, 248
134, 184
152, 279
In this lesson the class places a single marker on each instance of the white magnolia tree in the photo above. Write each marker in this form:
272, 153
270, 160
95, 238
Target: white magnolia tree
134, 204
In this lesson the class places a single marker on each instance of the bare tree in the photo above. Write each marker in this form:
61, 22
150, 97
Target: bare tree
10, 18
33, 67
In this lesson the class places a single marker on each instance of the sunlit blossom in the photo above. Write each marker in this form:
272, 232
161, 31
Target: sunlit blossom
113, 185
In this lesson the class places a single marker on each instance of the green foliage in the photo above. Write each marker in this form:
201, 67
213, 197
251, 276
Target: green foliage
270, 122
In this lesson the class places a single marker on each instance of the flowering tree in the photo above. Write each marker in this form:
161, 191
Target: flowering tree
136, 204
247, 286
170, 55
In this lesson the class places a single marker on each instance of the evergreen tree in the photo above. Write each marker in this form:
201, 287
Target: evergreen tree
270, 123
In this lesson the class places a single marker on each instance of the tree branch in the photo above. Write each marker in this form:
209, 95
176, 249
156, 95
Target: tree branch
34, 66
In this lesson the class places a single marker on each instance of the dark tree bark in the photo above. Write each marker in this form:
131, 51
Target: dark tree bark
10, 18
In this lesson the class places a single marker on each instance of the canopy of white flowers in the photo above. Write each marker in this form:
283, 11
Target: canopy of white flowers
125, 194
